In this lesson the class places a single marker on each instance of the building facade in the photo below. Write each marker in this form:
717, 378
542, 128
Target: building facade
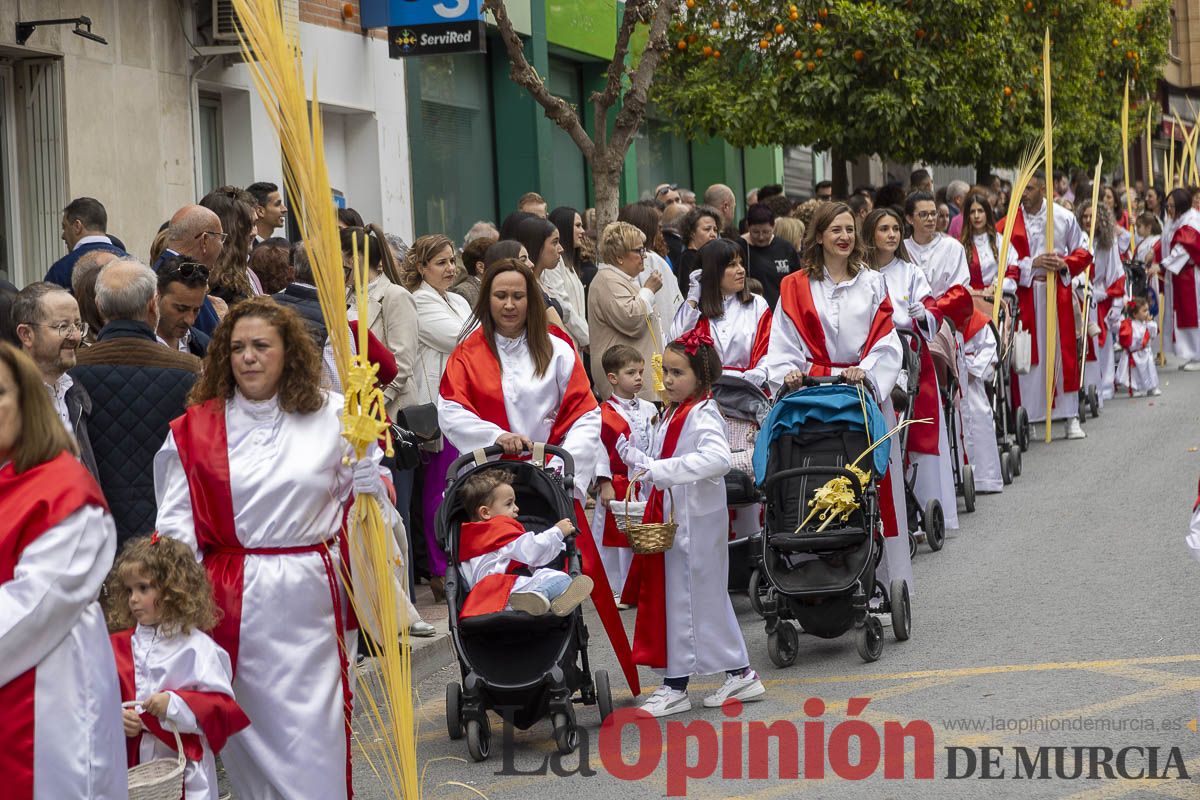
165, 110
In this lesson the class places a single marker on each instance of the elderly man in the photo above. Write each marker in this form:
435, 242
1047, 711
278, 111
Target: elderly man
667, 194
46, 319
195, 233
956, 193
722, 198
182, 290
671, 219
84, 229
137, 388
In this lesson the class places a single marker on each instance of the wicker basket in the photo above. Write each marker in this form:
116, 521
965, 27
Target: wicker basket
649, 538
160, 779
627, 513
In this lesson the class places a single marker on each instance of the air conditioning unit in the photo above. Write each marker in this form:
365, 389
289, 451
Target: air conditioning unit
224, 19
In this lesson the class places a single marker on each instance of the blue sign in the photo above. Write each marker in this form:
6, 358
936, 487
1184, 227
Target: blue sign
402, 13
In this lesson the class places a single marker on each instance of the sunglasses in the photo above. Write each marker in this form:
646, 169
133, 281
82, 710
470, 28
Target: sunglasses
189, 269
670, 187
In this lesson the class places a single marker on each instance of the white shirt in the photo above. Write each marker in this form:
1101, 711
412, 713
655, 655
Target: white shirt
58, 397
733, 333
943, 260
94, 239
181, 345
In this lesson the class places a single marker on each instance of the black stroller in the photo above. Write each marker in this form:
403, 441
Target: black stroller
1012, 421
930, 519
822, 579
743, 406
523, 667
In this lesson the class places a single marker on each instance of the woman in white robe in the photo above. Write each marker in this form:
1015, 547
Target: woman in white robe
913, 308
979, 424
513, 382
1181, 260
254, 477
1107, 301
60, 727
835, 318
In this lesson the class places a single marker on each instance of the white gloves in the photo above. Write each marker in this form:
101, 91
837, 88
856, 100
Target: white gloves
367, 479
916, 310
635, 459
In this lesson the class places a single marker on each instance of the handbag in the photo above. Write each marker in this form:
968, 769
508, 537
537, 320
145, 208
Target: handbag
422, 421
406, 449
1022, 352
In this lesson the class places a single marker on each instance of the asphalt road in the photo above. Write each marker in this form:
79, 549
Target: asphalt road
1062, 614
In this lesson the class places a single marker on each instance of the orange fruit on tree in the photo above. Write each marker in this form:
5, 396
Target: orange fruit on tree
1008, 91
716, 53
818, 27
779, 28
681, 44
1100, 73
823, 13
859, 55
799, 54
1028, 6
706, 50
920, 33
691, 39
763, 44
691, 3
1116, 42
716, 23
811, 66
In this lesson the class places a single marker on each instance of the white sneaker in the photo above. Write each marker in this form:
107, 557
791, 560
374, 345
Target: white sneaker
578, 591
666, 701
1191, 366
1138, 393
620, 606
746, 688
1074, 429
534, 603
1155, 392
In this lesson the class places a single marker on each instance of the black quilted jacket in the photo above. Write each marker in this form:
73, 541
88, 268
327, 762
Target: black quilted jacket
137, 387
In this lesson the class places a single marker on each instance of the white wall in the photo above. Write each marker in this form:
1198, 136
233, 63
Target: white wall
363, 108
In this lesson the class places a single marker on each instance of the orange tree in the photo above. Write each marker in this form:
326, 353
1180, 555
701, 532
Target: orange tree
950, 81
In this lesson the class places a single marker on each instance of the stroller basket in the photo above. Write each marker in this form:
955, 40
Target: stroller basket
744, 407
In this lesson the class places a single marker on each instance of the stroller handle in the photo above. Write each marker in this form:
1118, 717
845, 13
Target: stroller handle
478, 456
832, 380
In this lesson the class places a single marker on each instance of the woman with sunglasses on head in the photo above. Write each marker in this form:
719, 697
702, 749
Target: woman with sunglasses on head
835, 318
231, 278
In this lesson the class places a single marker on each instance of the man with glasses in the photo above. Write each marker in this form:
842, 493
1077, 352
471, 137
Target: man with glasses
195, 233
667, 194
137, 387
47, 323
182, 290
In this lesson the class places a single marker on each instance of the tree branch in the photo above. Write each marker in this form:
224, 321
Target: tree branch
604, 100
524, 75
633, 109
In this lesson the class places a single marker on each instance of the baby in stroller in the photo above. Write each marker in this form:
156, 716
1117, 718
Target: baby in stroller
494, 543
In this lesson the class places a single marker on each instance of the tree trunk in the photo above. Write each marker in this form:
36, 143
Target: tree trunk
982, 170
841, 185
606, 183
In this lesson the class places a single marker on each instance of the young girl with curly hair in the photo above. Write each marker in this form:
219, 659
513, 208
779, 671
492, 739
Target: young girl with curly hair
172, 675
683, 627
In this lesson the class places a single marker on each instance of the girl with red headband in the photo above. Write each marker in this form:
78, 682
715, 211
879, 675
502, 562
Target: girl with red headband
683, 627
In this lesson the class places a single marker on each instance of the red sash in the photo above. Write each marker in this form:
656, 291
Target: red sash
924, 438
490, 594
203, 445
758, 348
646, 585
218, 714
976, 269
613, 426
472, 379
1184, 298
32, 503
797, 302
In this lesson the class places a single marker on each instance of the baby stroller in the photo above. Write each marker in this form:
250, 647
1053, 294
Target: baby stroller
823, 578
1012, 421
1089, 395
744, 406
930, 519
523, 667
945, 360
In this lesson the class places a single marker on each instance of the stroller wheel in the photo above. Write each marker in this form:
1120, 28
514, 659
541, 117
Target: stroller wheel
935, 525
901, 610
1015, 461
1023, 429
566, 735
479, 739
912, 545
783, 644
1082, 406
603, 694
968, 487
1006, 468
454, 711
1093, 400
756, 591
869, 639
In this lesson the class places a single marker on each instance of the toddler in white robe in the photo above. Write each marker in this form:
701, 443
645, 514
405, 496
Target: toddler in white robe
1137, 336
494, 544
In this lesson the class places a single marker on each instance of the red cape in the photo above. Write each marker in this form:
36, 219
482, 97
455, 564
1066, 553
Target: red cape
491, 593
613, 426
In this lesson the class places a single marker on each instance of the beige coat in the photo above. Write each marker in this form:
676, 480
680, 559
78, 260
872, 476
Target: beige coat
618, 311
392, 317
443, 321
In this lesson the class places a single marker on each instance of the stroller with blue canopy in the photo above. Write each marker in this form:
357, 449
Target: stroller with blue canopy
819, 570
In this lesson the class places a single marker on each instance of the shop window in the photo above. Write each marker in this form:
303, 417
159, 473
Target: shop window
662, 157
567, 184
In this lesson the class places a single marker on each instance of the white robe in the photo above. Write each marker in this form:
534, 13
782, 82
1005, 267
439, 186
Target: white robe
50, 621
184, 662
563, 284
1101, 373
1143, 374
943, 260
979, 424
703, 635
1186, 343
733, 334
987, 261
532, 549
289, 484
846, 311
640, 415
1068, 236
531, 404
907, 284
668, 297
